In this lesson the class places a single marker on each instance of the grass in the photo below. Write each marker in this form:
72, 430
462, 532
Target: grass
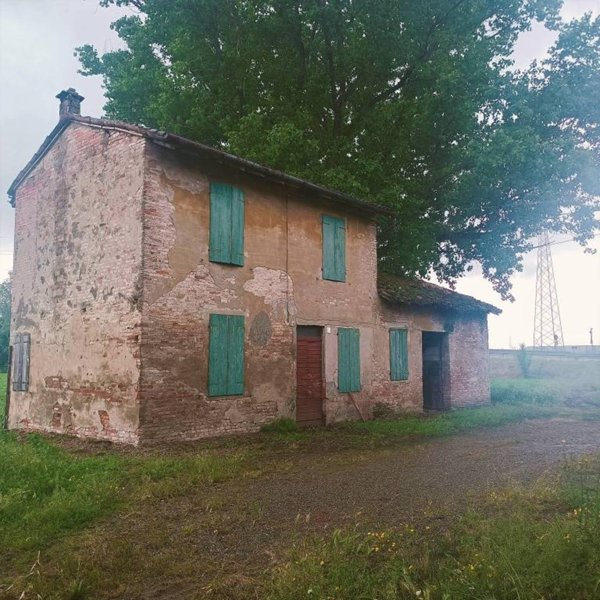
54, 492
536, 543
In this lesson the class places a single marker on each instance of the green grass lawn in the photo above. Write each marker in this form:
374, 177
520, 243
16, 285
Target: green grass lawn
51, 490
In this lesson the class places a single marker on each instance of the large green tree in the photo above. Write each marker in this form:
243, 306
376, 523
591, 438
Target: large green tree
410, 104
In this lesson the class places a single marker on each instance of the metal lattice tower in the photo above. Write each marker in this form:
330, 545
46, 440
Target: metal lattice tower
547, 330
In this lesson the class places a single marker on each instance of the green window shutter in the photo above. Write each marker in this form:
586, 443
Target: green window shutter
340, 249
226, 355
334, 248
348, 360
226, 244
237, 227
235, 362
398, 354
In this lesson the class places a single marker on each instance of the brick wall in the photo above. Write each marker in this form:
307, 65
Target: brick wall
279, 286
76, 286
466, 378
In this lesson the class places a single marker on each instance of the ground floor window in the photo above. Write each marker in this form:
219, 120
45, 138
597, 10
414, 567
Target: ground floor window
348, 359
398, 354
20, 372
226, 355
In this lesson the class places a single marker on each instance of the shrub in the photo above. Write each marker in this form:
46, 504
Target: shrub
280, 426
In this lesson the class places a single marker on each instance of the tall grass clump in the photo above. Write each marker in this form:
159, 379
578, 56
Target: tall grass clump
525, 391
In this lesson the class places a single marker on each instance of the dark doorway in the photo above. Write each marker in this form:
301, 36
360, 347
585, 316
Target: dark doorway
309, 376
433, 370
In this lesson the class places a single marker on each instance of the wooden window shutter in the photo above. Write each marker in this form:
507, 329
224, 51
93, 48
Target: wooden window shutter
226, 240
237, 227
21, 351
334, 248
398, 354
348, 360
235, 362
17, 364
226, 355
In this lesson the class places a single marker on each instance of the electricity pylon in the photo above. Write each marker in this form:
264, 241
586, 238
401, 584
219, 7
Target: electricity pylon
547, 330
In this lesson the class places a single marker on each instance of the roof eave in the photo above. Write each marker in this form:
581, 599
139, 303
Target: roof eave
177, 142
46, 145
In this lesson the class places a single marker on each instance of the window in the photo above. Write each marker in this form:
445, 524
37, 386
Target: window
348, 360
334, 248
20, 373
398, 354
226, 224
226, 355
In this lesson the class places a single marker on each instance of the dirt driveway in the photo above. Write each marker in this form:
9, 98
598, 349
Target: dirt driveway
231, 532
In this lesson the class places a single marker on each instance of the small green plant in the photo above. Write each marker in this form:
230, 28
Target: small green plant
524, 359
280, 426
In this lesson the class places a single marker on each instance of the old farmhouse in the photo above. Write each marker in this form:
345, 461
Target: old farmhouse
165, 290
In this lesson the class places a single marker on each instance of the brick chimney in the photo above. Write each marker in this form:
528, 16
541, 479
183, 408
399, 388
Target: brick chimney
70, 103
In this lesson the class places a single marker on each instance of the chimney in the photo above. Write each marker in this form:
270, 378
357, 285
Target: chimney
70, 103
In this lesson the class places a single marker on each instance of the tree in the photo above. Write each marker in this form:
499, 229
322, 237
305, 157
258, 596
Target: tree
4, 323
409, 104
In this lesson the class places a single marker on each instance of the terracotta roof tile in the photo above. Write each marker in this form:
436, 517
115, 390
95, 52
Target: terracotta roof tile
416, 292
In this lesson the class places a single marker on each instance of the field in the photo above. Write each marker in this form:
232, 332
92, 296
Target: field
495, 502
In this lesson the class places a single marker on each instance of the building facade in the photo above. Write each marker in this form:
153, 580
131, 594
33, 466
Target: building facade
164, 290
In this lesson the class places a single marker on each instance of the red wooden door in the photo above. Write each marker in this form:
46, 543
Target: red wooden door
309, 376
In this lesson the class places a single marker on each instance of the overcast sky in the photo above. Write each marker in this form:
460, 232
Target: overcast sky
37, 38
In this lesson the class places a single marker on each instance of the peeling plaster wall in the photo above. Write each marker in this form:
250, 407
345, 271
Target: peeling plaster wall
76, 286
466, 378
279, 286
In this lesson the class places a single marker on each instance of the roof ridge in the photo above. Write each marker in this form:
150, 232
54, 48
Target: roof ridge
177, 142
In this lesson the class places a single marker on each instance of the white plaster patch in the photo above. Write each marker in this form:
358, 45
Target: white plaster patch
272, 285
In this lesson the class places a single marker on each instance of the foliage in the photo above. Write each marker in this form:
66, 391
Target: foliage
530, 391
524, 359
409, 104
4, 323
536, 543
280, 426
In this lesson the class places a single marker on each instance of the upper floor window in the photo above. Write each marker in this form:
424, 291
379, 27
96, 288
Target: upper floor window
398, 354
334, 248
226, 244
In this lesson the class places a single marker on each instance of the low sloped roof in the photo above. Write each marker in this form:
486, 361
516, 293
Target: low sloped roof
416, 292
179, 143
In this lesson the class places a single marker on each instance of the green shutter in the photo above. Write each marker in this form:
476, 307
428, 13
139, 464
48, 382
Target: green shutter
226, 355
334, 248
398, 354
348, 360
237, 227
217, 355
226, 244
340, 250
235, 362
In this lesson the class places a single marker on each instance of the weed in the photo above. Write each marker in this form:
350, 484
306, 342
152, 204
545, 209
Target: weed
280, 426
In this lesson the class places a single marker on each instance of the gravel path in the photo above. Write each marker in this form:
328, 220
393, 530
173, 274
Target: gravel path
425, 480
227, 534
